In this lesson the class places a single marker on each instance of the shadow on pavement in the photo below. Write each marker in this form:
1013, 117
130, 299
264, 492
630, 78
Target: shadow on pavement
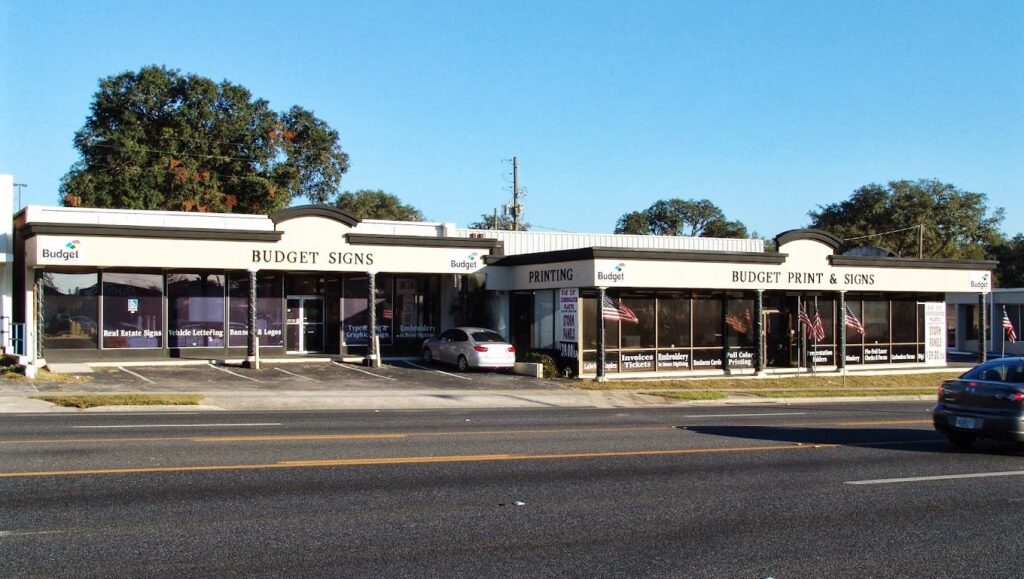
906, 439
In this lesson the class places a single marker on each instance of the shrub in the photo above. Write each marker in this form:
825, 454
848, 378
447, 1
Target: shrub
550, 369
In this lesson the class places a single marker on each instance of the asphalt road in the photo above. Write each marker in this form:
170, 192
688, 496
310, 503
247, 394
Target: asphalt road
751, 491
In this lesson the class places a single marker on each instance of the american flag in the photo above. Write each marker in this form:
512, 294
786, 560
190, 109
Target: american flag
853, 322
1011, 334
616, 311
817, 328
804, 318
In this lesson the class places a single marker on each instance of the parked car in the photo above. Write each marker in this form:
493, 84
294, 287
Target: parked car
470, 348
985, 402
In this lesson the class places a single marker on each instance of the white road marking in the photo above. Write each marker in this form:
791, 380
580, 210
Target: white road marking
139, 376
233, 373
211, 424
363, 371
22, 533
435, 370
885, 481
296, 375
743, 415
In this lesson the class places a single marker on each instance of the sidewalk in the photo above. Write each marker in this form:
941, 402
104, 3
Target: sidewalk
221, 400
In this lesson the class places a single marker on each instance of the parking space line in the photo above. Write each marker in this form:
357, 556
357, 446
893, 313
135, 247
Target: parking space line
434, 370
233, 373
296, 375
363, 371
140, 376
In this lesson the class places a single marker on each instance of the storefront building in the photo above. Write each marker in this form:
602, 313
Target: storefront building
110, 284
803, 308
95, 285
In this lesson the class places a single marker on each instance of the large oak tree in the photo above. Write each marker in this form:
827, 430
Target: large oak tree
377, 204
956, 224
162, 139
687, 217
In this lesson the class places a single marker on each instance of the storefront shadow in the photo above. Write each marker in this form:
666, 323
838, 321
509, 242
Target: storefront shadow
903, 439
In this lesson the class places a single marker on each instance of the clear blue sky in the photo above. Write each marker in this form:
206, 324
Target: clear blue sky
768, 108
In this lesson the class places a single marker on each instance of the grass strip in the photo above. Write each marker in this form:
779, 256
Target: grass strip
930, 380
690, 394
94, 400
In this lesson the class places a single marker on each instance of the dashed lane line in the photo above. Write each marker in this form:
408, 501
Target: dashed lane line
886, 481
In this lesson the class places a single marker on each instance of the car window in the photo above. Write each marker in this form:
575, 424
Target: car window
990, 372
448, 335
459, 336
487, 337
1015, 373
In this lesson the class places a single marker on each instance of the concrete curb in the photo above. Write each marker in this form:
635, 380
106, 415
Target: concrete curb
423, 400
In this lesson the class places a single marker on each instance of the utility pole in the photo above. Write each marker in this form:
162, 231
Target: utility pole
514, 209
515, 193
20, 186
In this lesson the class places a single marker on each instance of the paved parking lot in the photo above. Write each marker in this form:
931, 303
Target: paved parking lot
307, 376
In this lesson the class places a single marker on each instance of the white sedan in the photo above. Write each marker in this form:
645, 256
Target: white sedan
470, 348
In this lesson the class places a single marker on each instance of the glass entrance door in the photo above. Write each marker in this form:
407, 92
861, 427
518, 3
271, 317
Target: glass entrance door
305, 324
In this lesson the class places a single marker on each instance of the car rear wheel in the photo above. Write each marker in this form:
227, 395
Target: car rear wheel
962, 440
428, 356
462, 364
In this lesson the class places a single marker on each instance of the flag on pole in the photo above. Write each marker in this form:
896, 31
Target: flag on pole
1011, 334
616, 311
817, 328
853, 322
804, 318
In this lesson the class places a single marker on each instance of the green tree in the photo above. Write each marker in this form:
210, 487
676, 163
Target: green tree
956, 223
162, 139
504, 223
377, 204
1010, 253
687, 217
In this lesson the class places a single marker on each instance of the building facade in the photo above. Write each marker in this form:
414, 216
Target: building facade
95, 284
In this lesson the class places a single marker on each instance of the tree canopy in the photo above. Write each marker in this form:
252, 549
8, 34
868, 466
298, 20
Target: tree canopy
1010, 253
377, 204
503, 223
957, 223
162, 139
687, 217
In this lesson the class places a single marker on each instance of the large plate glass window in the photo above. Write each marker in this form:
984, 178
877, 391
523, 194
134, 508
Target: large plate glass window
195, 310
268, 309
70, 310
132, 310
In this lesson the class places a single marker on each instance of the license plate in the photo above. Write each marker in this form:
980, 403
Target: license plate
968, 423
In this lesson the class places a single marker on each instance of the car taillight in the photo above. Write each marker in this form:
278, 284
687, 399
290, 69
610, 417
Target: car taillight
942, 390
1016, 396
480, 348
512, 349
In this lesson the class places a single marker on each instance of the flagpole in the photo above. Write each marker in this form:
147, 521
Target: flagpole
1003, 353
799, 336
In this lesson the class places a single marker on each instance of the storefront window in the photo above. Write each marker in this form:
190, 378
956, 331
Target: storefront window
195, 310
904, 321
268, 309
707, 322
739, 318
415, 307
673, 321
642, 332
876, 321
132, 310
70, 308
356, 319
543, 319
